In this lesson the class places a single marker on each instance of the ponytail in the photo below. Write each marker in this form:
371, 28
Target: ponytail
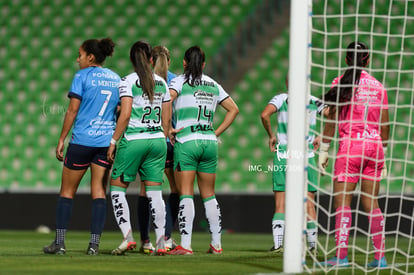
160, 58
357, 57
195, 59
140, 56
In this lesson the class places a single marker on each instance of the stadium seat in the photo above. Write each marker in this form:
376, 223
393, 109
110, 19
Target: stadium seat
40, 60
42, 41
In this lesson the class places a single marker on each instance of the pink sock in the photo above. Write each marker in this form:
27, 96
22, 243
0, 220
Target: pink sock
376, 220
343, 221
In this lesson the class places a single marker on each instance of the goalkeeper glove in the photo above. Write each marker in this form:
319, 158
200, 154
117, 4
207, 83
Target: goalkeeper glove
323, 157
384, 168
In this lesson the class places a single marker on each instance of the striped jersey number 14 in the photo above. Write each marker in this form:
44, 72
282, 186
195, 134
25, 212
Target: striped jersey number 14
203, 112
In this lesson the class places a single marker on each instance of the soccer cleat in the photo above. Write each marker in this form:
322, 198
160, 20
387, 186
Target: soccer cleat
54, 248
160, 250
335, 261
380, 264
124, 246
92, 249
179, 250
146, 247
215, 249
170, 244
276, 250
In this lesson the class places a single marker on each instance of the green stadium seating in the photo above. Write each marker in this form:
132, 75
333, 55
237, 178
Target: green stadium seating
267, 79
42, 38
41, 49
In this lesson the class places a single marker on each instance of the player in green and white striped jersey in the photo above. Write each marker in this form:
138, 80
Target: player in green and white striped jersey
143, 124
278, 145
195, 151
280, 102
160, 62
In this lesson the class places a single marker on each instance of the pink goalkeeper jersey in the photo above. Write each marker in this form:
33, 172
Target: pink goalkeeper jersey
362, 118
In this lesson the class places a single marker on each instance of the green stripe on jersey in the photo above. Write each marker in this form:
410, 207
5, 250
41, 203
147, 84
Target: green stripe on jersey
146, 116
194, 107
207, 91
282, 126
201, 113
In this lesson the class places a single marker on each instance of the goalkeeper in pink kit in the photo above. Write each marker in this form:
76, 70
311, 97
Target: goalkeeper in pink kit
359, 107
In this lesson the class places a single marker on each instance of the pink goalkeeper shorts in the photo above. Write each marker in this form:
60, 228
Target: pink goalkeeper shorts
359, 159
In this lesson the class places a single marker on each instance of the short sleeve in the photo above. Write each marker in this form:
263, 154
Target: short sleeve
176, 84
319, 104
170, 76
76, 90
222, 94
125, 88
167, 96
278, 100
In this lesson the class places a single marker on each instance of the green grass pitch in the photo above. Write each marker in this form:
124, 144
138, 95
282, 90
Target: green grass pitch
21, 253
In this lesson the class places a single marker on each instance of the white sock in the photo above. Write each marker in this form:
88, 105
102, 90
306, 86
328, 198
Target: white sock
213, 215
121, 212
185, 220
312, 234
157, 206
278, 229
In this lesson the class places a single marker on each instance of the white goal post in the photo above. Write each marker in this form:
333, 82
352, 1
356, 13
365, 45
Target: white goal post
297, 131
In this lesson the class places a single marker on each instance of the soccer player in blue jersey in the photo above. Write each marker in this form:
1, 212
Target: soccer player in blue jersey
161, 61
92, 110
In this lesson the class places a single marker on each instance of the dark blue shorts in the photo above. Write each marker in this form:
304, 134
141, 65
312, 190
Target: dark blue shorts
79, 157
169, 162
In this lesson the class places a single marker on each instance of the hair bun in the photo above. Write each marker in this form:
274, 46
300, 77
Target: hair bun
107, 46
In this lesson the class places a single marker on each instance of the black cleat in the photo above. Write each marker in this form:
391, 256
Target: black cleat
92, 249
54, 248
276, 249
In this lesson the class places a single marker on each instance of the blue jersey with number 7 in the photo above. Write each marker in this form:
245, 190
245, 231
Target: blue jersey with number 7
97, 89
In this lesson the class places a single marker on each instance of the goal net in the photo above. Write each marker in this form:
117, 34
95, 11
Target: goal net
387, 27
